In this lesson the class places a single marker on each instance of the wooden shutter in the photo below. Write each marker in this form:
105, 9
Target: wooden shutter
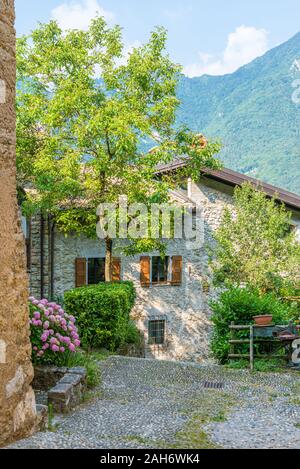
145, 271
116, 269
80, 272
176, 270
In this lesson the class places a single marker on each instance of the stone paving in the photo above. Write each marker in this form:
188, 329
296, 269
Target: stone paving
154, 404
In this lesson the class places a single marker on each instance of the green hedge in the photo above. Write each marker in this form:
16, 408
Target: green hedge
239, 305
102, 313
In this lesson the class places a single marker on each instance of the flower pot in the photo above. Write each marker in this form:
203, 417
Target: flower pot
263, 320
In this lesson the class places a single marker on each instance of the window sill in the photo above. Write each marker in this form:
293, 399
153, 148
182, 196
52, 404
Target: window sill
162, 285
162, 346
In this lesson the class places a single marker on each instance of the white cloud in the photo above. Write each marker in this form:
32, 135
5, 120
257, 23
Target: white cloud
243, 45
78, 15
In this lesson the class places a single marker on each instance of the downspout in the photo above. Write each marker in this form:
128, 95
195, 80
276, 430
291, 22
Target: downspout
52, 248
42, 233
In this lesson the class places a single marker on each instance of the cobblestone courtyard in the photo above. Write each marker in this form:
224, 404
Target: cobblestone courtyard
153, 404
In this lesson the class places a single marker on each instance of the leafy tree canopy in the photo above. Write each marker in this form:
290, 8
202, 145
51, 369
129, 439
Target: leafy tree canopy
256, 245
83, 112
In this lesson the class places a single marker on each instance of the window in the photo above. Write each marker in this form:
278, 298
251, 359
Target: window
96, 271
160, 271
160, 268
157, 332
92, 271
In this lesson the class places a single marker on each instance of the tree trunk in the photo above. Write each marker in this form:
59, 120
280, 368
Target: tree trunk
108, 260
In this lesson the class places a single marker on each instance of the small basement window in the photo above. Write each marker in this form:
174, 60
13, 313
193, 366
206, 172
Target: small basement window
157, 332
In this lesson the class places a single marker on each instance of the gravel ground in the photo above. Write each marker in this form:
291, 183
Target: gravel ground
153, 404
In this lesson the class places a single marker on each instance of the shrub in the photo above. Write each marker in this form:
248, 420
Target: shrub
239, 305
54, 335
89, 362
102, 313
133, 335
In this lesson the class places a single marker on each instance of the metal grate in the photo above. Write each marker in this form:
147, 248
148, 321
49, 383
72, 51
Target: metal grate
211, 385
157, 331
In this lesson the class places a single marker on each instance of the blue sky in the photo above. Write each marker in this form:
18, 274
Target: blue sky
205, 36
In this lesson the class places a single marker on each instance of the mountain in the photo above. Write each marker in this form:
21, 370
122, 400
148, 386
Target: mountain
253, 115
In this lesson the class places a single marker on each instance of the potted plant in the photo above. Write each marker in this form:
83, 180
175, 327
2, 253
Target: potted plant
263, 320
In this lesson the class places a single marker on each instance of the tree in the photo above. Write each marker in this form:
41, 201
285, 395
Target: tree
84, 115
256, 245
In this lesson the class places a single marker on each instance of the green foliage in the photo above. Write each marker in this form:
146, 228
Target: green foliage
263, 366
255, 244
88, 361
102, 313
79, 138
252, 113
240, 305
133, 335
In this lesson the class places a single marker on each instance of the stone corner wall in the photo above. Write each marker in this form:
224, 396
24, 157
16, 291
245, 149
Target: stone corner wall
17, 400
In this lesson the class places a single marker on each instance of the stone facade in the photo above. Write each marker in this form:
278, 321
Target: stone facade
184, 308
17, 400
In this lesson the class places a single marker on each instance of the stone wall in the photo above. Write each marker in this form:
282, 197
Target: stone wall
185, 308
17, 401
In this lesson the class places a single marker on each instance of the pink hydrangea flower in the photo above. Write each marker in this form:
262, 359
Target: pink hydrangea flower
46, 325
63, 335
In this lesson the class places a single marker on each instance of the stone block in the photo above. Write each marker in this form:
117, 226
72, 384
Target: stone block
60, 396
78, 371
42, 418
71, 378
46, 377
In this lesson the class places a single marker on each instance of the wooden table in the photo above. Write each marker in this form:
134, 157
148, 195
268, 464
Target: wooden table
261, 335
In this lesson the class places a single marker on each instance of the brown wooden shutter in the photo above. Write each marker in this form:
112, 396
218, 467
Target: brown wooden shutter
145, 271
176, 270
116, 269
80, 272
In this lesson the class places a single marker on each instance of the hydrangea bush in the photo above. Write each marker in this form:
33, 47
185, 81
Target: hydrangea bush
54, 335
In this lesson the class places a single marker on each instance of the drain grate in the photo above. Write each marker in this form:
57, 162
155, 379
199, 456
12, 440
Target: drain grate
211, 385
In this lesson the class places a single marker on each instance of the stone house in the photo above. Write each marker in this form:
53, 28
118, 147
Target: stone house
172, 307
